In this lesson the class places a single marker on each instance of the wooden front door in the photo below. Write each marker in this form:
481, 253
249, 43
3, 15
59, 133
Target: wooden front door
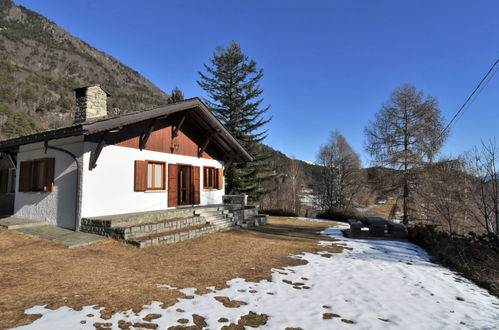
184, 184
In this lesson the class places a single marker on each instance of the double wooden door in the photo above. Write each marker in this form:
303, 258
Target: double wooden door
183, 185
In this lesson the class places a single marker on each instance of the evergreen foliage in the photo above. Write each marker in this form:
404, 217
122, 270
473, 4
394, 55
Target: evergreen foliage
232, 83
176, 96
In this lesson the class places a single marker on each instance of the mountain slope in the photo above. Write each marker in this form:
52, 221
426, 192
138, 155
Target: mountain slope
40, 65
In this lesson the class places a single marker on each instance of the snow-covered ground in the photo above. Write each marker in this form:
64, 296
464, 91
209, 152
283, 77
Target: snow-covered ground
376, 284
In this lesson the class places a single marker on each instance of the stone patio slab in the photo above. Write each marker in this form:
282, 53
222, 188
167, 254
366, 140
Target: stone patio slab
66, 237
15, 223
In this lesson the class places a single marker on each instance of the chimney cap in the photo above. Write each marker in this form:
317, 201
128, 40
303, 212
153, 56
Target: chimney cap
81, 89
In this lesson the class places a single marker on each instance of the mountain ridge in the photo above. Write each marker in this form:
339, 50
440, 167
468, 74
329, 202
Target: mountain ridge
42, 63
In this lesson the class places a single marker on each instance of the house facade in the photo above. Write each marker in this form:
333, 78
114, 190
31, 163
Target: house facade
169, 157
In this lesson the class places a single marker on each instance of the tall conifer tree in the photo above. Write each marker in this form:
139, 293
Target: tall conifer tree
232, 83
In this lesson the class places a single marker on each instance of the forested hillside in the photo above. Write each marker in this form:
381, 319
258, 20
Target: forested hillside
40, 65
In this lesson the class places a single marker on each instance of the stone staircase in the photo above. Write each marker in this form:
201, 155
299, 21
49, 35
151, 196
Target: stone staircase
162, 227
219, 216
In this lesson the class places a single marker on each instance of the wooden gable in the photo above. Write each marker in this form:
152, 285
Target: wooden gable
187, 142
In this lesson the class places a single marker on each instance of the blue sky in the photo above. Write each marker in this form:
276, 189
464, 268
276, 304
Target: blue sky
328, 64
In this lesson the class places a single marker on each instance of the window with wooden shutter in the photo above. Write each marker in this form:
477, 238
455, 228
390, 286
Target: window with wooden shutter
172, 185
25, 171
140, 175
155, 175
196, 182
220, 175
37, 175
210, 178
49, 174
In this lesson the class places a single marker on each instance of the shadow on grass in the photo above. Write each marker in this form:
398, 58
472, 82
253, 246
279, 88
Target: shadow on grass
287, 232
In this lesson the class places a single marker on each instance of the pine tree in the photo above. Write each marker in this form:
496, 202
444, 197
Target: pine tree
231, 81
176, 96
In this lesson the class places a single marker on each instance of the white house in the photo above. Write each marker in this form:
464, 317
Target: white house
157, 159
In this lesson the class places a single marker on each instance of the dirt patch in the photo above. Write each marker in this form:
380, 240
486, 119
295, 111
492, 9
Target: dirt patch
38, 272
150, 317
223, 320
347, 321
183, 321
227, 302
233, 326
328, 316
124, 325
199, 321
102, 326
253, 320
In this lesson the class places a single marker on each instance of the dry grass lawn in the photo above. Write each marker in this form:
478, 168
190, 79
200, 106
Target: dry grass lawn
119, 276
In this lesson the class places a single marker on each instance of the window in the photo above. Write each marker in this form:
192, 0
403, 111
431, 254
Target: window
37, 175
155, 175
149, 175
210, 178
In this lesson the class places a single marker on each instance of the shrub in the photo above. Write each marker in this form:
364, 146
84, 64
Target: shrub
339, 214
278, 213
475, 256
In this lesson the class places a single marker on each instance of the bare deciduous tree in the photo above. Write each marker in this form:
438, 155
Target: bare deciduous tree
340, 173
406, 132
296, 177
285, 190
442, 194
483, 201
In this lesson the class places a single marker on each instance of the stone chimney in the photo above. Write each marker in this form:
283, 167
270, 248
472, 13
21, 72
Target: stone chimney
91, 103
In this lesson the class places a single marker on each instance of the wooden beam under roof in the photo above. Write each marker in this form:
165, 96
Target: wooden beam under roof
96, 153
179, 125
145, 137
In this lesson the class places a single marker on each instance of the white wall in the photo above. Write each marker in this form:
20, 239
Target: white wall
57, 207
109, 188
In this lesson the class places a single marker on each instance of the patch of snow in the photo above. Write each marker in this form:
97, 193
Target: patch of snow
377, 285
363, 209
312, 219
166, 286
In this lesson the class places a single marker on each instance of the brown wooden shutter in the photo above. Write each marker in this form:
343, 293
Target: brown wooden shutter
25, 173
140, 175
220, 181
172, 185
49, 174
196, 182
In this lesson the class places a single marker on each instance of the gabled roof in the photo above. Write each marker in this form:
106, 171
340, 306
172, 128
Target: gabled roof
203, 115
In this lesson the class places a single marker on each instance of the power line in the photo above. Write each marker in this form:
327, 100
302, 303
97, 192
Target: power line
477, 94
468, 101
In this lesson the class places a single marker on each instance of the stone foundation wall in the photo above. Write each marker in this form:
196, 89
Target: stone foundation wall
108, 228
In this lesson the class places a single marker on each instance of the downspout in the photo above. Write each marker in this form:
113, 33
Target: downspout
79, 173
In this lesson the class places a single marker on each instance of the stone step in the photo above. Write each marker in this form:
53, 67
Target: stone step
220, 221
159, 227
209, 208
175, 236
130, 219
212, 212
215, 217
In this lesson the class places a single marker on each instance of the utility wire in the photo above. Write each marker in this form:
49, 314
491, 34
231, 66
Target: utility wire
477, 94
467, 103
